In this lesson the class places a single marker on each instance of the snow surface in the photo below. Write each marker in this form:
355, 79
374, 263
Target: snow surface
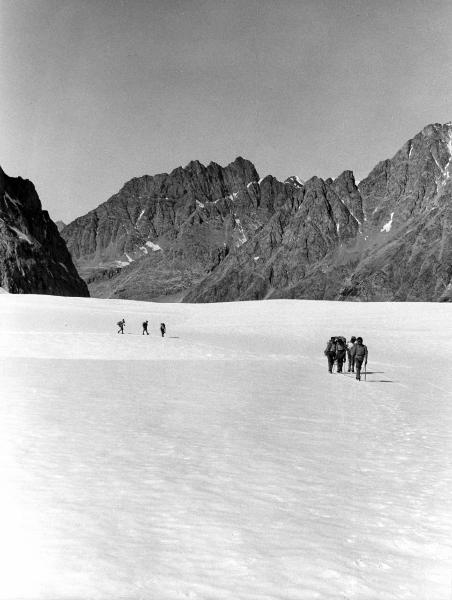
223, 461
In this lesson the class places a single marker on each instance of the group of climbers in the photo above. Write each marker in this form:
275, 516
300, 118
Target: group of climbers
338, 350
121, 324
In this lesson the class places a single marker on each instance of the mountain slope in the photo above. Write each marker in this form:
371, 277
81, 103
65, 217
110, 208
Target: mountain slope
408, 206
33, 256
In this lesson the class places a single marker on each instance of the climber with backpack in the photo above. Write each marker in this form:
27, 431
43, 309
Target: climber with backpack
330, 353
361, 355
341, 348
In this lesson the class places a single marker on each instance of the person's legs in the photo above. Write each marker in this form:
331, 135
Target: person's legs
358, 363
330, 362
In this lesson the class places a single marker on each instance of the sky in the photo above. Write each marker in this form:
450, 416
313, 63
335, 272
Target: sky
223, 462
95, 92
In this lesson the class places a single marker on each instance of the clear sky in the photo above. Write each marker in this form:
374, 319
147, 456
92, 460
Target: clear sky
95, 92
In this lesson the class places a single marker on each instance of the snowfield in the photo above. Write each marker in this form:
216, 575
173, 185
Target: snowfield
223, 461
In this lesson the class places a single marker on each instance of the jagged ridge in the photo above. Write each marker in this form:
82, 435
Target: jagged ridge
220, 233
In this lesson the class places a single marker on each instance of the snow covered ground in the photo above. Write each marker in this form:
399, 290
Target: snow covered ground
223, 462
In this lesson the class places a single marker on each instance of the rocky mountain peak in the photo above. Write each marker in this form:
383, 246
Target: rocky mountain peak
295, 181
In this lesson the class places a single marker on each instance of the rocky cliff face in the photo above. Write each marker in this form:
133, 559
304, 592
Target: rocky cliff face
300, 252
207, 234
33, 256
161, 234
408, 223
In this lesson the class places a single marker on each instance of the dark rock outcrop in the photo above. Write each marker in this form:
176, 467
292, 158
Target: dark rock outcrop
33, 256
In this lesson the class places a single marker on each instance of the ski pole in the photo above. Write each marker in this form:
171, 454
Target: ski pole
365, 372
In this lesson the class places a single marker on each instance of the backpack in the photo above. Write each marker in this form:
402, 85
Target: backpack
340, 344
330, 347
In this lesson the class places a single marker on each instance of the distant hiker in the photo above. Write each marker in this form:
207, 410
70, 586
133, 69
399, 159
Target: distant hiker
360, 356
162, 329
330, 353
341, 348
145, 328
121, 324
351, 354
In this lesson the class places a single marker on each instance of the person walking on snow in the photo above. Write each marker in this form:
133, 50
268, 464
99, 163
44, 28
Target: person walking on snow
351, 354
145, 328
361, 355
121, 325
162, 329
341, 348
330, 353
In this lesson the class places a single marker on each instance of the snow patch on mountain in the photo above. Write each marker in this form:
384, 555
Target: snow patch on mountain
152, 246
21, 234
242, 239
387, 226
7, 197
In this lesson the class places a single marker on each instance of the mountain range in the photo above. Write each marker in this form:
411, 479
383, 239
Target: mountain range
214, 234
